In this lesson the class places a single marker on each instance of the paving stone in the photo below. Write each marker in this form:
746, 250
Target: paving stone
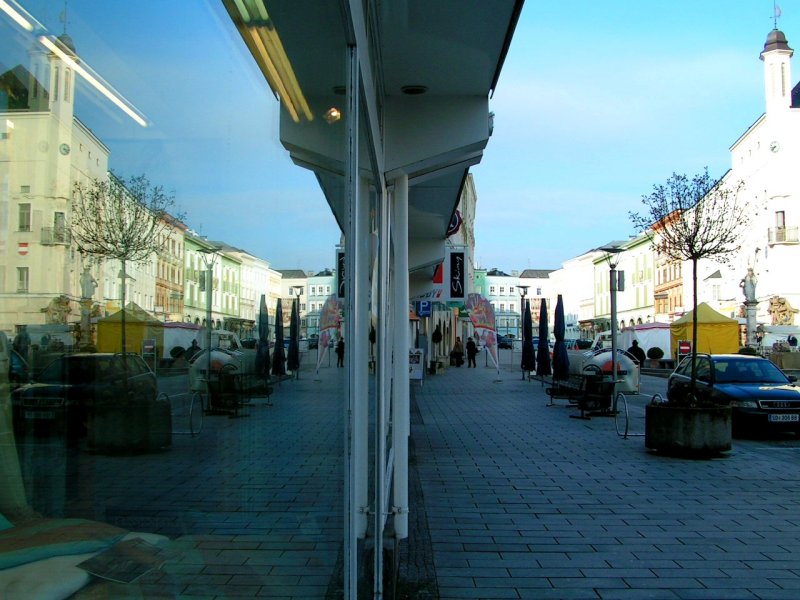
509, 498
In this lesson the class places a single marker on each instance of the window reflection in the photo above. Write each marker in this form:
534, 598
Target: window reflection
97, 444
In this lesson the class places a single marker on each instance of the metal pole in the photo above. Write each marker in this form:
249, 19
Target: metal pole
209, 286
521, 324
613, 293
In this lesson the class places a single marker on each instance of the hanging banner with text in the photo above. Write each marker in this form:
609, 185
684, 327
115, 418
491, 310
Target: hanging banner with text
455, 274
340, 282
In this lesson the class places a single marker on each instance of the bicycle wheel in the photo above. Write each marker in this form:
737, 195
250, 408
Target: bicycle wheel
196, 413
621, 414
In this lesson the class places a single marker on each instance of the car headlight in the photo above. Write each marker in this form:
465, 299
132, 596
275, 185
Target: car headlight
744, 403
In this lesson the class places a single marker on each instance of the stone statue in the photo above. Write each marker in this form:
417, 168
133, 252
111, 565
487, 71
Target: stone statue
88, 283
57, 310
748, 285
781, 311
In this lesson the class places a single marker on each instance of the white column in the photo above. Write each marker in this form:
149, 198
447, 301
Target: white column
383, 382
401, 405
358, 343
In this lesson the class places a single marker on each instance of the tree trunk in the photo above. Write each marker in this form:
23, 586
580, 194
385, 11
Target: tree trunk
694, 331
124, 277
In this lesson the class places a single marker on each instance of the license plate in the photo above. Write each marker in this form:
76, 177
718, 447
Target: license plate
40, 414
784, 418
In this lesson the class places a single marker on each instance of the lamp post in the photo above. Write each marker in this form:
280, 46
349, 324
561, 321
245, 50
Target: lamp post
209, 256
523, 291
612, 258
298, 292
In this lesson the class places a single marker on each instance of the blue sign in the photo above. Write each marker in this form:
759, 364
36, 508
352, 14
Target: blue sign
423, 308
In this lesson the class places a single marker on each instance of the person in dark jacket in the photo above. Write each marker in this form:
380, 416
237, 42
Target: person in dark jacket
340, 353
472, 351
637, 352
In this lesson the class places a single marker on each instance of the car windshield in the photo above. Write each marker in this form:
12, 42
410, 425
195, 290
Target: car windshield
75, 370
747, 371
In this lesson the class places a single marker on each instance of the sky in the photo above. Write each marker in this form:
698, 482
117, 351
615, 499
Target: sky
597, 102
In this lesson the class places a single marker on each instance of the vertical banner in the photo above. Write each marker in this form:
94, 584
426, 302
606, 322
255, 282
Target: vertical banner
481, 313
329, 319
340, 282
456, 275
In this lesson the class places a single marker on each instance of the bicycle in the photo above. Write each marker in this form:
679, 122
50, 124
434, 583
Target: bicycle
194, 412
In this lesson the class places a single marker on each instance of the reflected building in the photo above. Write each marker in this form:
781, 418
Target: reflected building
45, 150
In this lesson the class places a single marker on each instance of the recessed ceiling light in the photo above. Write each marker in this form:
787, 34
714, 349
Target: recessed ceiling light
332, 115
414, 90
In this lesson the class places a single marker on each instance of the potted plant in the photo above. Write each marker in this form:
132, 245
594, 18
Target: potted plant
689, 220
655, 354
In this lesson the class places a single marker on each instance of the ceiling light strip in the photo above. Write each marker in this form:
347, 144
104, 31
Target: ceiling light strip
275, 48
19, 15
271, 73
51, 44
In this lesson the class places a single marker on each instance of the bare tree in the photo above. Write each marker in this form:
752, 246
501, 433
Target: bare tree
693, 219
113, 219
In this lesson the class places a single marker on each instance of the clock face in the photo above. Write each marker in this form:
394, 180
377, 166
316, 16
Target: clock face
64, 149
774, 146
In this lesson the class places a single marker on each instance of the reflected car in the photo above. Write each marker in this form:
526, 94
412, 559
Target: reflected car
18, 371
763, 399
64, 393
504, 341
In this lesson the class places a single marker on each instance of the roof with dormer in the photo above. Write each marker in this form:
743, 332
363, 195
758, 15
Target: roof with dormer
292, 273
536, 274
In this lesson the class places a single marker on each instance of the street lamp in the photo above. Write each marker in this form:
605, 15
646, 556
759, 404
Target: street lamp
523, 291
209, 256
612, 258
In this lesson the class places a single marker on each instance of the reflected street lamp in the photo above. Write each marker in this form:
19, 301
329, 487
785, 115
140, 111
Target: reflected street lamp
612, 258
209, 256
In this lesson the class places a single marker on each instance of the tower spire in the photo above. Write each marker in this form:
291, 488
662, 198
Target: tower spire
776, 13
63, 18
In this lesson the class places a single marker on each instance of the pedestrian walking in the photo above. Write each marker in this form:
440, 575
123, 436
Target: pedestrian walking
457, 354
472, 351
22, 342
340, 353
637, 352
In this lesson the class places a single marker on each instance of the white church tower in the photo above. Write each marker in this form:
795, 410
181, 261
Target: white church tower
764, 158
777, 72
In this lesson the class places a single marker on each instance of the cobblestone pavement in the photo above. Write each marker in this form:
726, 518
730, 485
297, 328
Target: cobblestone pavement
524, 502
510, 498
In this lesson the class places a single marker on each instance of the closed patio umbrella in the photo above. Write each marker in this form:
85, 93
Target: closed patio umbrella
262, 348
528, 353
278, 355
293, 354
543, 351
560, 357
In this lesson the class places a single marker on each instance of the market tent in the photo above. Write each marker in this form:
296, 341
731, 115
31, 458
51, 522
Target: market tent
716, 333
649, 335
139, 326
